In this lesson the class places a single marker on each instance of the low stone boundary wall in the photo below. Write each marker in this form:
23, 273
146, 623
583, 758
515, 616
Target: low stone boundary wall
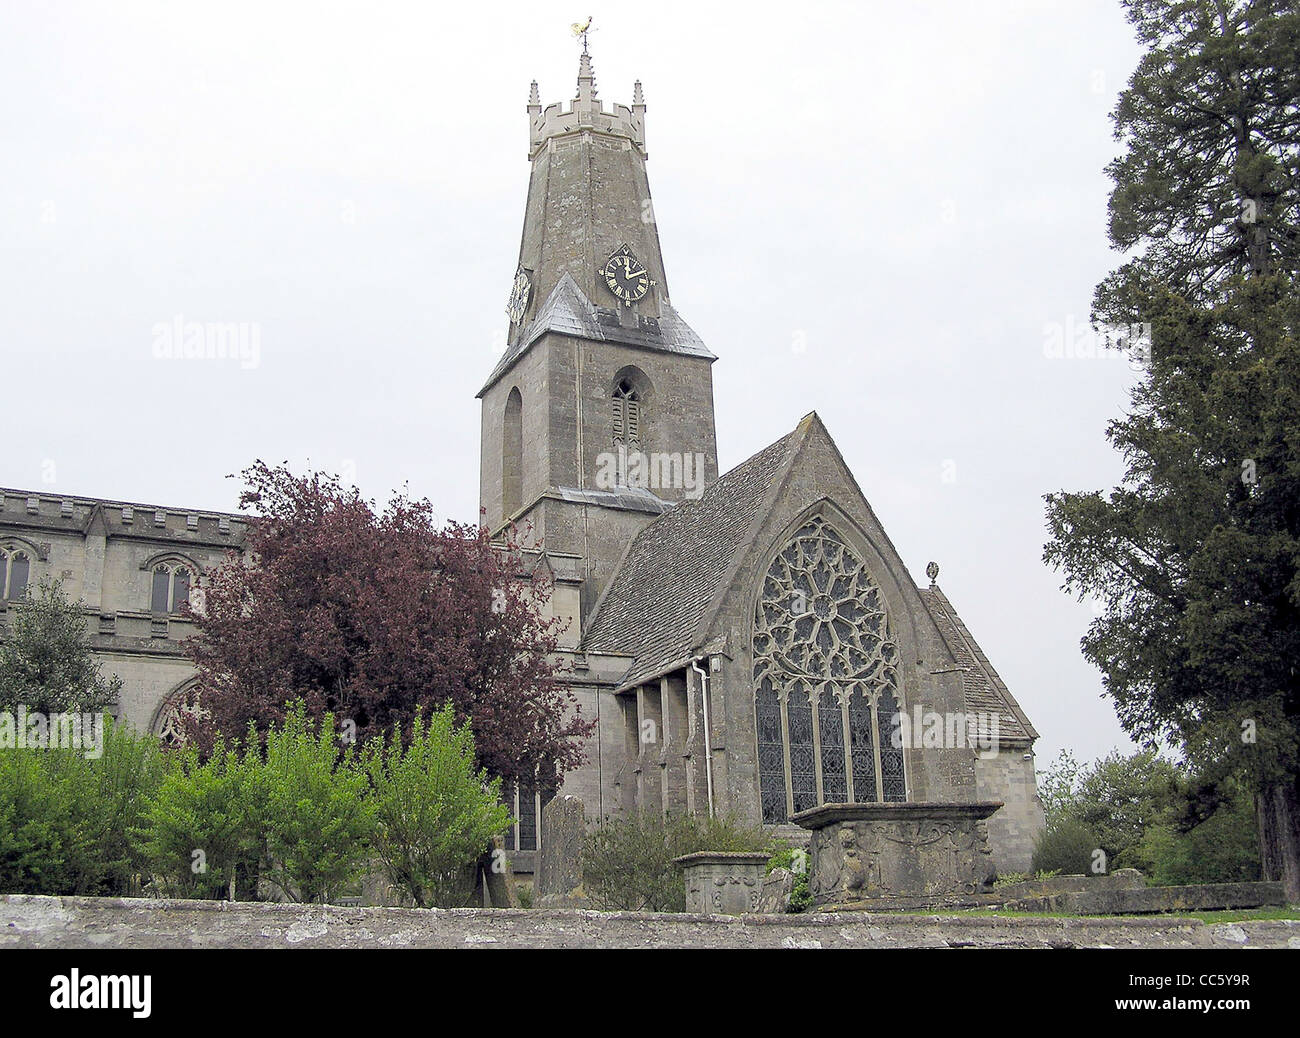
29, 921
1121, 879
1206, 897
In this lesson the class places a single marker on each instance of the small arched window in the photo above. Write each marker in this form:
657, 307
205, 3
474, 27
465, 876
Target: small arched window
15, 572
512, 455
171, 588
627, 414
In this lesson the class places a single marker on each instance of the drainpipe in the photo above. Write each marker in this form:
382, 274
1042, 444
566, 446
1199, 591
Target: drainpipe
708, 742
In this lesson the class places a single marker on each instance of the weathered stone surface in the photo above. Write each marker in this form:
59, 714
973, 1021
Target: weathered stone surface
1203, 897
862, 851
496, 881
29, 921
1120, 879
726, 882
778, 888
559, 862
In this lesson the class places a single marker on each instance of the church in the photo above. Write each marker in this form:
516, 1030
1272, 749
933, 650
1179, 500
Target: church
747, 642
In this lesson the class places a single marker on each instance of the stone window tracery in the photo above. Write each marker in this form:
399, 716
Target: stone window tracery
826, 679
180, 706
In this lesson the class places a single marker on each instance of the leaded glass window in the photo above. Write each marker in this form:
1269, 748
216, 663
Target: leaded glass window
822, 634
771, 749
830, 726
803, 755
162, 578
172, 724
525, 801
170, 591
891, 756
864, 752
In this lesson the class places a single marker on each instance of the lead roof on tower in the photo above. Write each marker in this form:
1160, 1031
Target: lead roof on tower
567, 311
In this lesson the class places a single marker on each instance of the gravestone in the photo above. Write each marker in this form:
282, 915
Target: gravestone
558, 881
778, 888
723, 882
494, 882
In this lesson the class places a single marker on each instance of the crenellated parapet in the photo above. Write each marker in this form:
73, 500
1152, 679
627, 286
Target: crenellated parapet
585, 113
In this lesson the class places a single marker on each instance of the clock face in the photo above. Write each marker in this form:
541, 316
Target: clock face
626, 276
519, 293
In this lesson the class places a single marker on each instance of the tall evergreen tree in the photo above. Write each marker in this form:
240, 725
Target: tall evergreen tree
1196, 555
1208, 185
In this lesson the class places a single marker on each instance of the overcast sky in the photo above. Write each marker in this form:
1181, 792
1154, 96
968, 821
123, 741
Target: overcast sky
888, 213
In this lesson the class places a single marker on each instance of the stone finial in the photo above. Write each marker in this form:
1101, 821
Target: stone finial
932, 571
638, 98
534, 97
586, 80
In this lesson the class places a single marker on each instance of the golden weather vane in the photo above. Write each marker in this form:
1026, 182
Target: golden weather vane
581, 29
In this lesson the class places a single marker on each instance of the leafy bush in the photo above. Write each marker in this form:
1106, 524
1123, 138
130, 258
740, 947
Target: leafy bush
203, 829
36, 834
297, 814
1154, 815
628, 863
434, 811
66, 819
1065, 846
318, 817
1221, 847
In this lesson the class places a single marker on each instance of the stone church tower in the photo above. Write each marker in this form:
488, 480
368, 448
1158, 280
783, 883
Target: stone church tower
599, 368
745, 642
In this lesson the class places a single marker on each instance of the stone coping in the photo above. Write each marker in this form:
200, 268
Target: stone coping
724, 858
37, 921
902, 811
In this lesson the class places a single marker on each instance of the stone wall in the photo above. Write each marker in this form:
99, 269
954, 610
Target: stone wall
28, 921
103, 553
1009, 777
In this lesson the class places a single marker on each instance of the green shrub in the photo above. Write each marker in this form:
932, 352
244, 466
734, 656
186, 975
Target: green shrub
296, 814
434, 811
203, 829
1065, 846
66, 820
35, 828
1221, 849
628, 863
45, 660
319, 817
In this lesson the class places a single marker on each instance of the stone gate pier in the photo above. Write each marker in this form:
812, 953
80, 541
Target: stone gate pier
897, 852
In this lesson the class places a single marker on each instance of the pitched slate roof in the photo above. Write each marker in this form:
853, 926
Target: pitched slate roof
673, 568
985, 690
568, 311
671, 573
